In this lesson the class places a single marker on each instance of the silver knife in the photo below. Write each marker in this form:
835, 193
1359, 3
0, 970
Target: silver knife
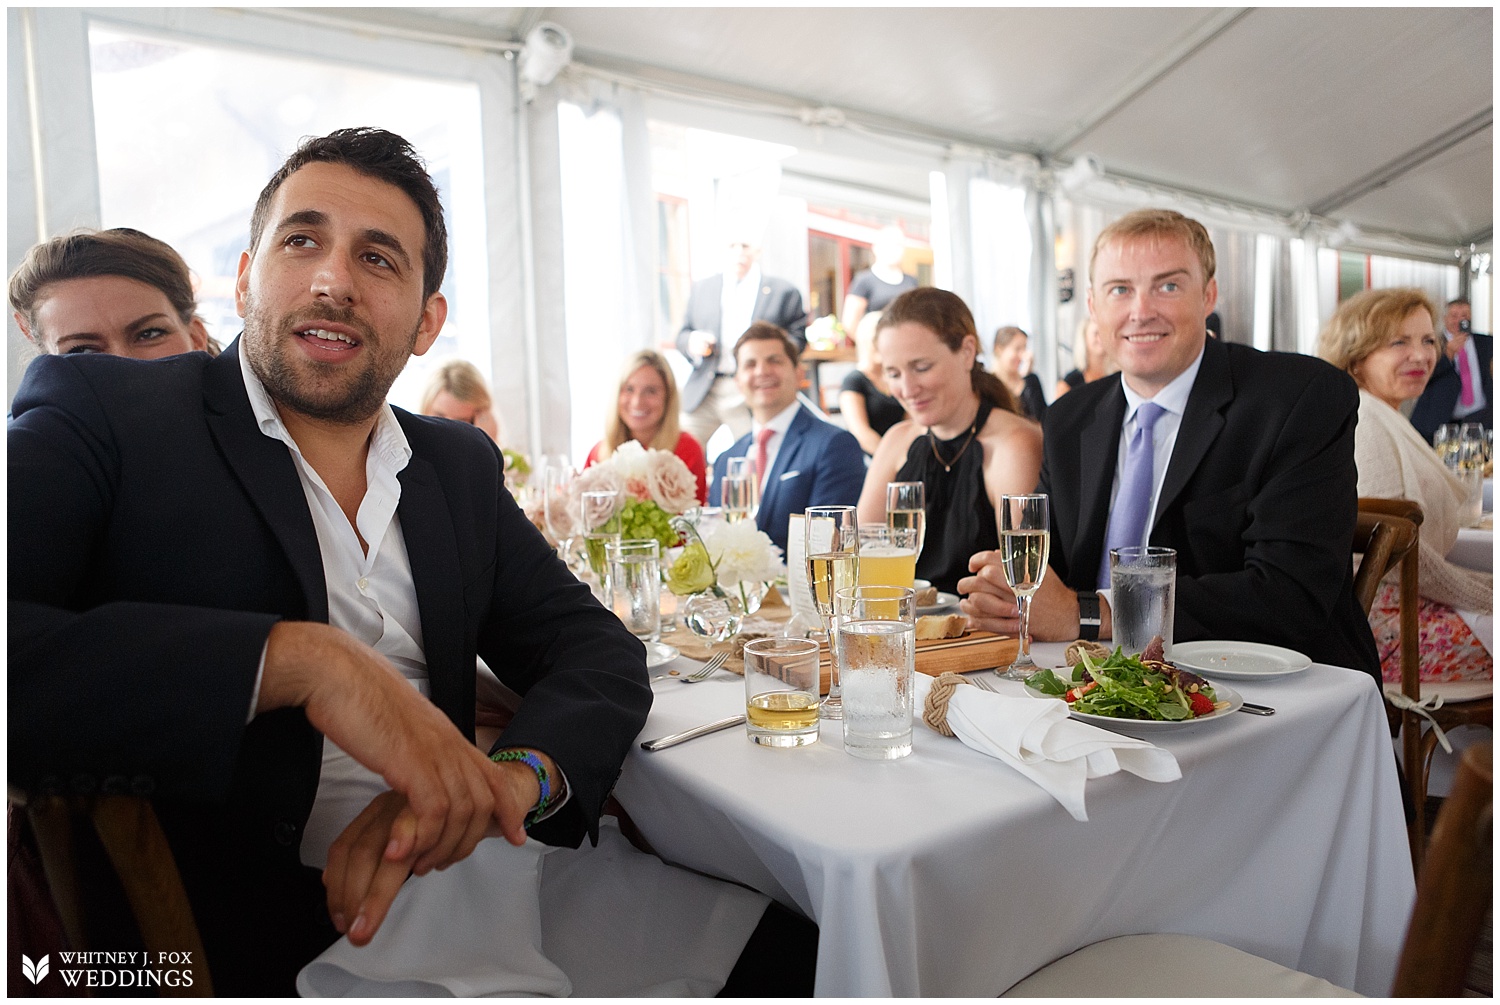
1257, 709
690, 734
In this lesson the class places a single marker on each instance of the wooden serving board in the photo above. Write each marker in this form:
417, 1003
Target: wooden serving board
974, 650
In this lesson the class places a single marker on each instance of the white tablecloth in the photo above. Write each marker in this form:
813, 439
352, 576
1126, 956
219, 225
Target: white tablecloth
1474, 549
947, 873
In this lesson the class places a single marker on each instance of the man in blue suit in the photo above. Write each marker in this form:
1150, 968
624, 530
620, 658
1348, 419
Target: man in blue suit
802, 460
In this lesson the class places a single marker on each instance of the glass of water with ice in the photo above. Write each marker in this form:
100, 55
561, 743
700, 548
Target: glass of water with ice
1143, 587
877, 656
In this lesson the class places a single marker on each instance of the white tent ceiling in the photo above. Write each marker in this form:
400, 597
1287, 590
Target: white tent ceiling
1379, 117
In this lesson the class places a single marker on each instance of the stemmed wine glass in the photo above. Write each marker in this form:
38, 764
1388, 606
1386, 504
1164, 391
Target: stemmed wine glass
601, 526
557, 504
832, 565
1024, 542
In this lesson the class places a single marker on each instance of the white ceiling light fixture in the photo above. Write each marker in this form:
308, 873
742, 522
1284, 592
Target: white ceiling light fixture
548, 49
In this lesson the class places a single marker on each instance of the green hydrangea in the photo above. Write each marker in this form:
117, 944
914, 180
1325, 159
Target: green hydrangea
644, 520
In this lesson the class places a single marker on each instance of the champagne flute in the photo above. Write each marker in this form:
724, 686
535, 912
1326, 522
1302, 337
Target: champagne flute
1024, 543
906, 509
557, 508
737, 490
832, 565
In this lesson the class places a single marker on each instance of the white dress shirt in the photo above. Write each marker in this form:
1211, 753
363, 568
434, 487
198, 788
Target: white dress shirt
370, 595
1173, 398
736, 311
779, 424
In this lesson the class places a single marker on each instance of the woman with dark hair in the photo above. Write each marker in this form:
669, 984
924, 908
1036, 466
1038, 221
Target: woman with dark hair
1387, 340
119, 292
1012, 359
965, 441
646, 407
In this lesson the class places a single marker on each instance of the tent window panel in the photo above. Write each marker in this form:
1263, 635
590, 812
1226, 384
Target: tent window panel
188, 134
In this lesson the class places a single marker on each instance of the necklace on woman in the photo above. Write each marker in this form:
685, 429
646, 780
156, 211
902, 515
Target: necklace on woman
932, 442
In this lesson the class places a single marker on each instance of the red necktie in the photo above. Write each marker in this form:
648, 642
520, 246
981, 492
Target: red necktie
761, 439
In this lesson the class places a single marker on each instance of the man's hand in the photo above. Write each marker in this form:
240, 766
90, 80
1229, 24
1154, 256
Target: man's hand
991, 606
359, 701
701, 343
364, 873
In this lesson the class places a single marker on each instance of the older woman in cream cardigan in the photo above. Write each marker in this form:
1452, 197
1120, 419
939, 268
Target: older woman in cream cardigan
1387, 340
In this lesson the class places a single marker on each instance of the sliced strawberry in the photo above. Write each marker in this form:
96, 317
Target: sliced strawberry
1200, 704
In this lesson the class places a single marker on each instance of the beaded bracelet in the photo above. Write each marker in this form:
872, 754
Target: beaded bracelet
543, 779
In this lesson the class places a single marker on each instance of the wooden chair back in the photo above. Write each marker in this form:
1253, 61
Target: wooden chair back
137, 851
1454, 889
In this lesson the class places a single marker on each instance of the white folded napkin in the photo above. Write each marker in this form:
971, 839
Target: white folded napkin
1039, 740
598, 922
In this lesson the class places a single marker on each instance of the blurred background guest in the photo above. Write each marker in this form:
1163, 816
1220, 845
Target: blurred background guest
1386, 340
646, 409
719, 309
1013, 360
966, 440
865, 401
871, 289
1090, 361
118, 292
1462, 383
456, 390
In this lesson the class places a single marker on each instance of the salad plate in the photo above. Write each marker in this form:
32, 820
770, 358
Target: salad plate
1238, 660
1223, 691
660, 654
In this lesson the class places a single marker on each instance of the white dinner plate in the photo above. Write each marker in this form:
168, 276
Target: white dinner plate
1238, 660
944, 600
660, 654
1223, 692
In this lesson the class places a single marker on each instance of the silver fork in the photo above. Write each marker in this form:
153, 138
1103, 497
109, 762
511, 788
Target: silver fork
978, 680
707, 670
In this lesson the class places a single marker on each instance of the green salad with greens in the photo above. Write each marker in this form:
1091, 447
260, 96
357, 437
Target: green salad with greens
1131, 687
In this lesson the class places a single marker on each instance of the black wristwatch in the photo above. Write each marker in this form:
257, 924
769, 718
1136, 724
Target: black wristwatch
1088, 615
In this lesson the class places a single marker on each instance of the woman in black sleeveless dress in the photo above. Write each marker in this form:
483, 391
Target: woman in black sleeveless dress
965, 440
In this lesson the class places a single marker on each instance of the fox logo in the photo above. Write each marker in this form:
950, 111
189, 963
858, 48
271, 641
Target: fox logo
34, 971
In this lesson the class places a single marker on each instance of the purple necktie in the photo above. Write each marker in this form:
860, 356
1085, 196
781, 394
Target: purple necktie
1465, 379
1127, 518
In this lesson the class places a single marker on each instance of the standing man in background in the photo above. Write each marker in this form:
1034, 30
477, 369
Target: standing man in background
1462, 384
719, 310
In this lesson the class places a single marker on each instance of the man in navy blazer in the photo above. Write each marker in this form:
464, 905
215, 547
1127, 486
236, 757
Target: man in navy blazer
1442, 400
1250, 474
180, 620
806, 461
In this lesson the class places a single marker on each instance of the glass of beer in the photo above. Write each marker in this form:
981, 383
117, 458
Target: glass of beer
781, 692
887, 557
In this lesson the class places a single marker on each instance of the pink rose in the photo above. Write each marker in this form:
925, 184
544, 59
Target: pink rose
671, 484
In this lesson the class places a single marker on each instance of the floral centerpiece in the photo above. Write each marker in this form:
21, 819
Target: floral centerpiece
654, 484
724, 569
